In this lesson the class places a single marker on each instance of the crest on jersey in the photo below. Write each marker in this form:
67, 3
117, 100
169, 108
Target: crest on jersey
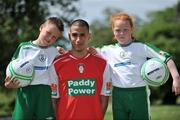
122, 54
42, 57
81, 67
161, 52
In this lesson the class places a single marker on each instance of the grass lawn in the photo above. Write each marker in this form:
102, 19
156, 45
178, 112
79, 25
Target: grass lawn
158, 112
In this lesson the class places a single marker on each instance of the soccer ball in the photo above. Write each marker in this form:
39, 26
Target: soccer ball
154, 72
22, 70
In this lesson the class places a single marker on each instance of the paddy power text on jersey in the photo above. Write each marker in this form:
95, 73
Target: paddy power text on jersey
81, 87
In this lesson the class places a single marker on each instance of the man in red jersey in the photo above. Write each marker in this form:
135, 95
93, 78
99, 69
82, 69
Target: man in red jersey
84, 79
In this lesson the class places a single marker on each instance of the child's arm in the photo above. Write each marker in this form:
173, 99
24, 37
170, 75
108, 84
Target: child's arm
61, 50
11, 82
175, 75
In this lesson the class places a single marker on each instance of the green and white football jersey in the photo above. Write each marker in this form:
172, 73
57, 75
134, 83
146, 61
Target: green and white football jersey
126, 62
42, 58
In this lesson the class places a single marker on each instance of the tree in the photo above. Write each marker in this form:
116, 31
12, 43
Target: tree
20, 21
101, 30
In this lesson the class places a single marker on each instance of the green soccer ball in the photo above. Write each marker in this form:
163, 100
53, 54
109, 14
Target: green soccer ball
22, 70
155, 72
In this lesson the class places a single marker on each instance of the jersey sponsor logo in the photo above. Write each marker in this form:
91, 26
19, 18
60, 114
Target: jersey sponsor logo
122, 64
85, 86
41, 67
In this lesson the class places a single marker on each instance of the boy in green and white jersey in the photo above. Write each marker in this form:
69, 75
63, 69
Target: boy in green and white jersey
34, 101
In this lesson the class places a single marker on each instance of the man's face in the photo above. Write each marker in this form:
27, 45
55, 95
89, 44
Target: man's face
79, 37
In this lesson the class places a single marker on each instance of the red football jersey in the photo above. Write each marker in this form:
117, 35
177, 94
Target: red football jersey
80, 87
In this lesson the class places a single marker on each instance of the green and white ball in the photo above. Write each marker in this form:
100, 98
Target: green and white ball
22, 70
155, 72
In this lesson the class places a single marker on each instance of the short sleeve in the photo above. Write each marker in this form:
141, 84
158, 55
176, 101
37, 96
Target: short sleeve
107, 83
54, 82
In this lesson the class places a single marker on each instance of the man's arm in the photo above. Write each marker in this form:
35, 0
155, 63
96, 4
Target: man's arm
54, 105
104, 103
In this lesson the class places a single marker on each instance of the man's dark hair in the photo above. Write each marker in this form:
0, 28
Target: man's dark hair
80, 22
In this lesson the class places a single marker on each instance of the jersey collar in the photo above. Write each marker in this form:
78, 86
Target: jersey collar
125, 45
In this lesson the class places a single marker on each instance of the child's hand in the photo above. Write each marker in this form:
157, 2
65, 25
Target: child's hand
92, 50
176, 86
61, 50
11, 82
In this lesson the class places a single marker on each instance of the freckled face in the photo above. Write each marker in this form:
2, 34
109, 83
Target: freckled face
122, 31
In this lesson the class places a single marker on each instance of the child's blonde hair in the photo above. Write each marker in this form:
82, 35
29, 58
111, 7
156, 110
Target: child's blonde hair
56, 21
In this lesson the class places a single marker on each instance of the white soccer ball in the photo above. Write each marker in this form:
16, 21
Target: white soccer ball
22, 70
155, 72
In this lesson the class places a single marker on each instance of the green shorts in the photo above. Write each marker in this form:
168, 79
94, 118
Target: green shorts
33, 103
131, 103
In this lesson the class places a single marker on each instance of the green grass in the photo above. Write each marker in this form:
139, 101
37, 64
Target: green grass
165, 112
158, 112
6, 100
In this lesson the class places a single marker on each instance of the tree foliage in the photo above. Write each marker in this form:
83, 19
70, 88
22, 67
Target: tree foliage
20, 21
163, 31
101, 30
